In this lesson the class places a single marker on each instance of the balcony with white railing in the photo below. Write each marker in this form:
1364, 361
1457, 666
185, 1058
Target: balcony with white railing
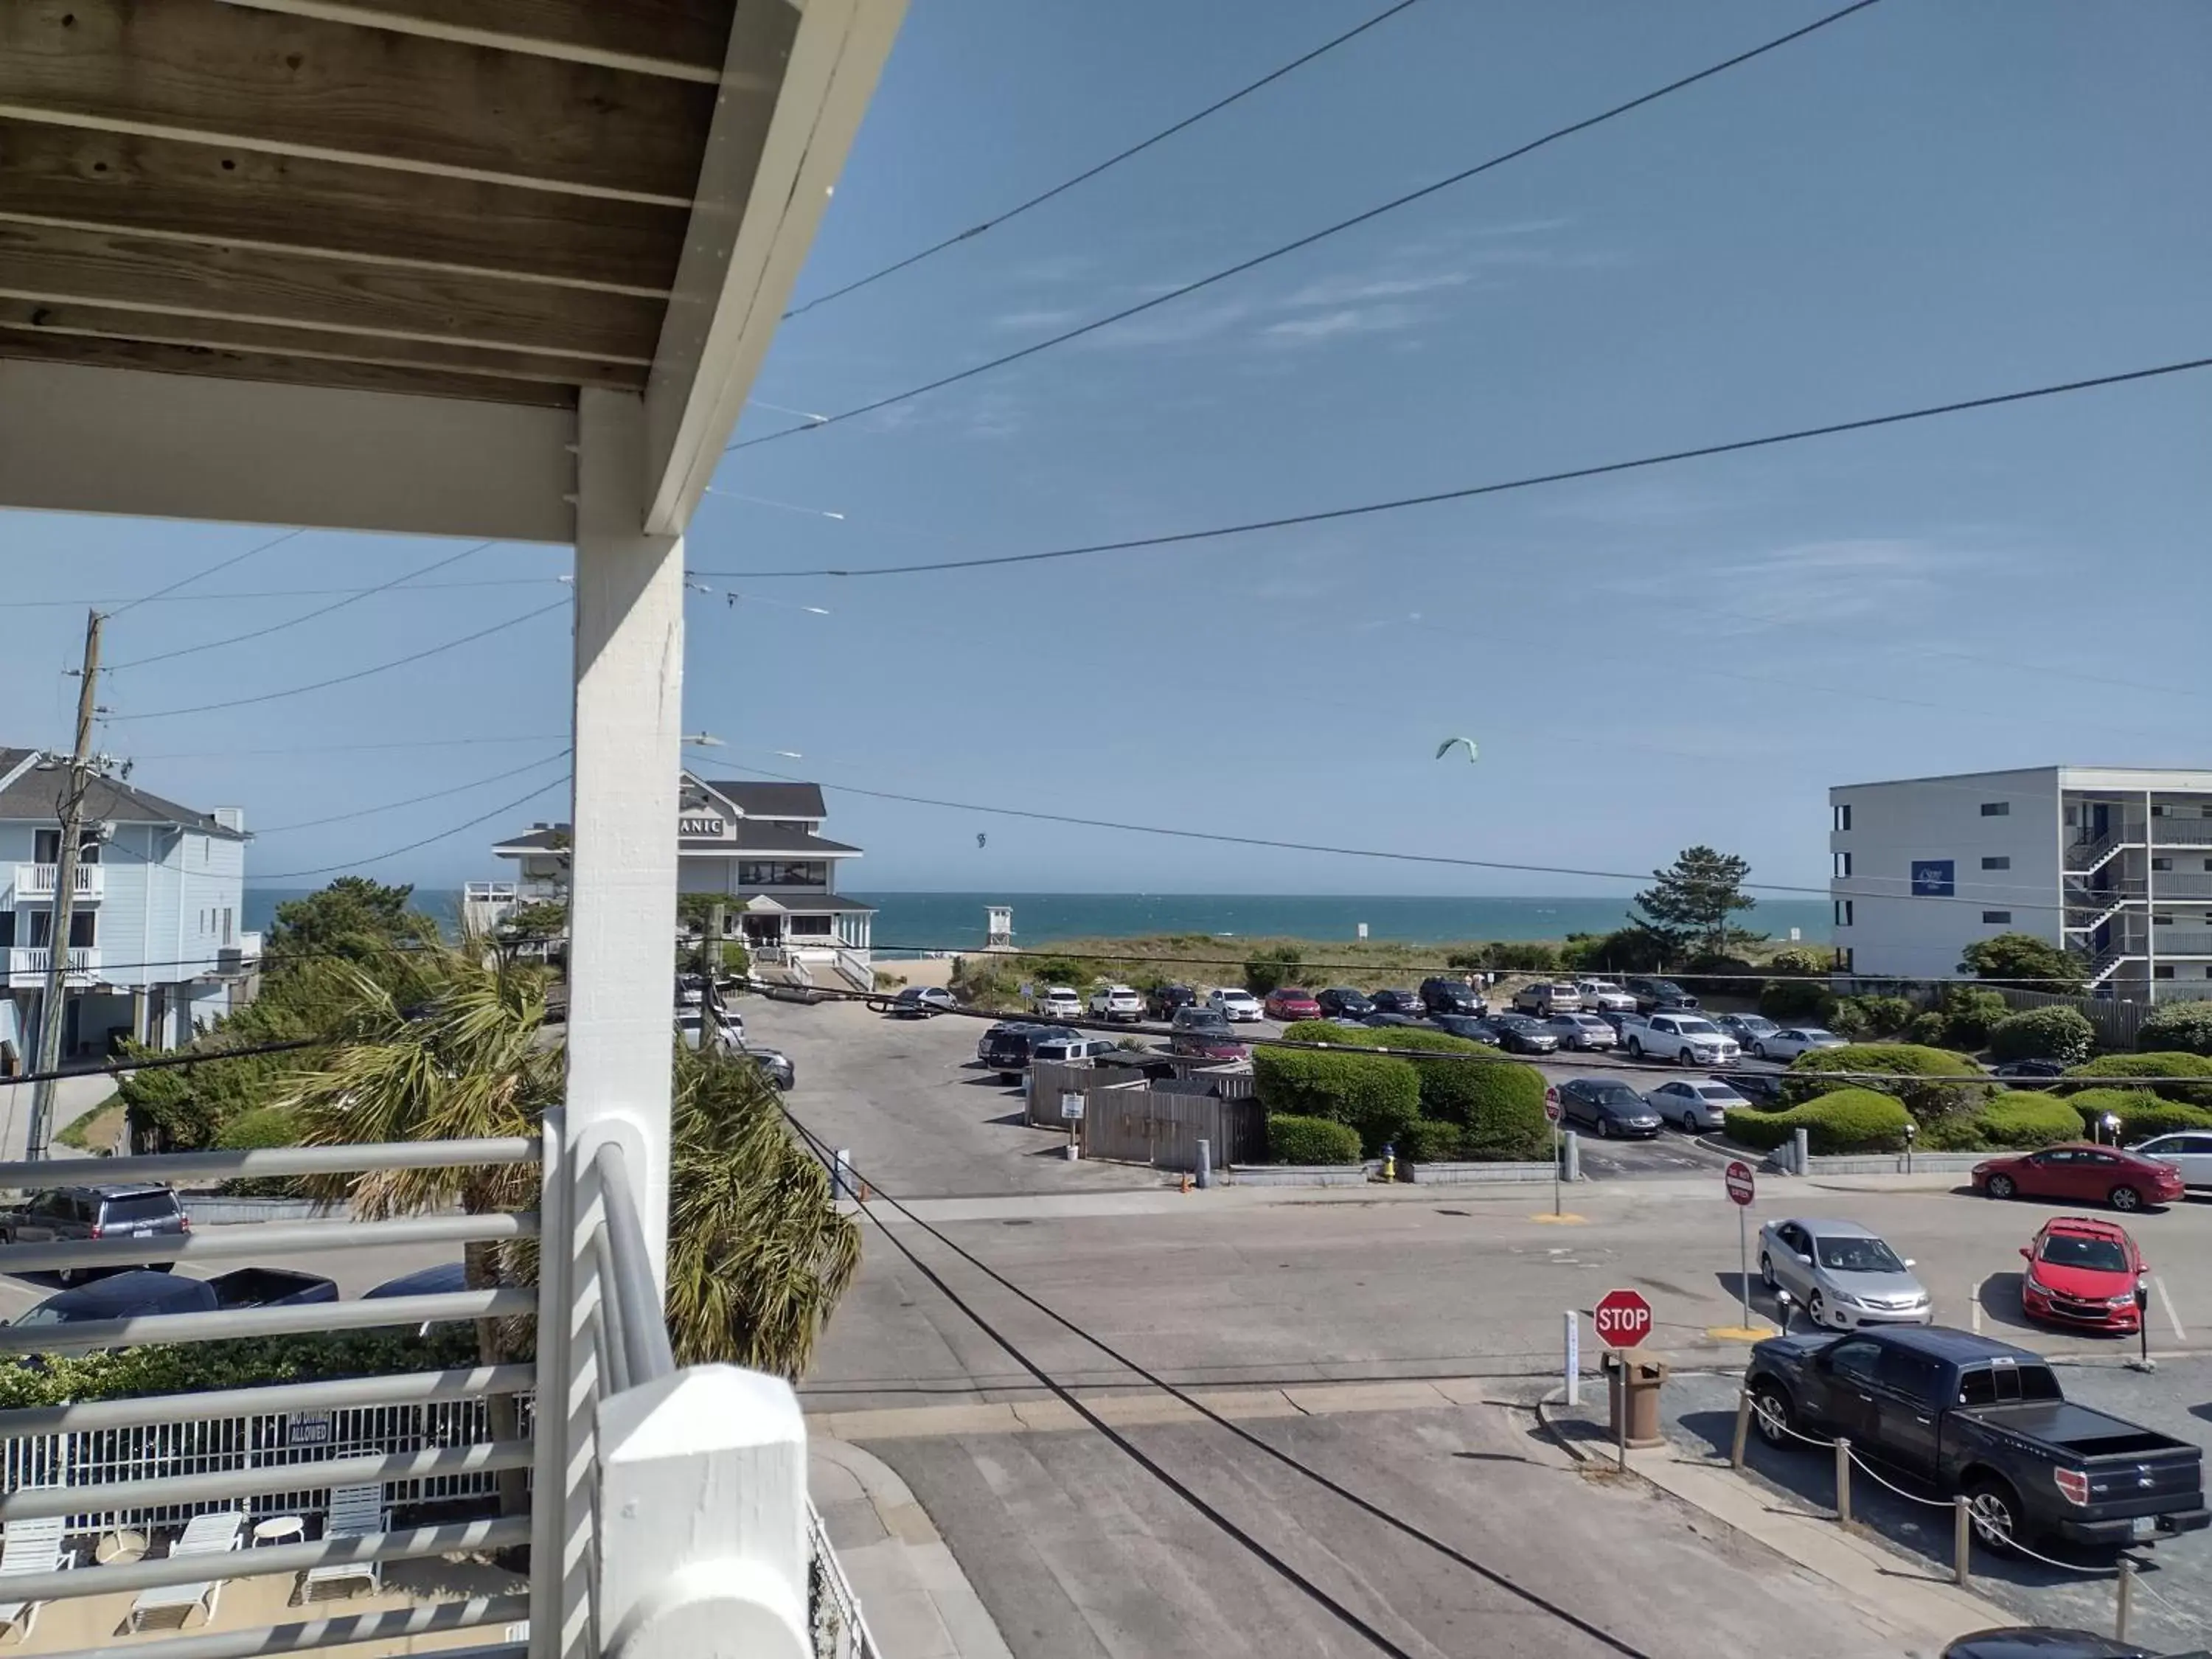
664, 1511
27, 966
38, 881
2173, 942
2167, 830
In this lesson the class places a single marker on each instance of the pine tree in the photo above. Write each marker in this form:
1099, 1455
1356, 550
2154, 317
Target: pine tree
1691, 901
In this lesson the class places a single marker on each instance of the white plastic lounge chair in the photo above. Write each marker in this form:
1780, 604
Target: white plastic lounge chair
214, 1533
28, 1546
355, 1512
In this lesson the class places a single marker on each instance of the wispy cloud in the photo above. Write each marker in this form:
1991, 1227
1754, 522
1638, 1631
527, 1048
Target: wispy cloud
1350, 290
1825, 581
1355, 319
1023, 321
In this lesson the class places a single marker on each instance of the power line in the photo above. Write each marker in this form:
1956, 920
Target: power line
412, 846
1467, 492
1089, 173
359, 674
277, 593
352, 748
197, 576
161, 1062
1365, 1505
355, 597
414, 800
1309, 239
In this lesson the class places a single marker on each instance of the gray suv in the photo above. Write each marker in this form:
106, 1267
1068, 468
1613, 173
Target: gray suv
62, 1214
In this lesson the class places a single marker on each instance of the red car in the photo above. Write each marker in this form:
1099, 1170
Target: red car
1291, 1004
2083, 1272
2085, 1174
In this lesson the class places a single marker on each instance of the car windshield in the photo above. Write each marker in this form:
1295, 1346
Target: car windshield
2072, 1250
1614, 1094
1697, 1028
1715, 1092
139, 1207
1814, 1034
1849, 1255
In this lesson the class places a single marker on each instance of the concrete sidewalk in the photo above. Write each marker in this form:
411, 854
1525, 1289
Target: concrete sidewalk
916, 1600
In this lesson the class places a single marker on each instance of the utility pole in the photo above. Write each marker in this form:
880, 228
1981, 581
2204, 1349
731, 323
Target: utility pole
51, 1011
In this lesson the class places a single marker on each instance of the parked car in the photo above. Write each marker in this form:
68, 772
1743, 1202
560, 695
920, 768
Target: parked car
1653, 994
1690, 1038
2190, 1153
2042, 1642
1204, 1034
443, 1279
921, 1002
1610, 1108
2029, 1071
1617, 1019
2083, 1272
1791, 1041
1842, 1274
775, 1066
1985, 1420
61, 1215
1231, 1004
1582, 1031
1070, 1048
1161, 1000
1602, 996
1291, 1005
703, 1031
1445, 996
1383, 1017
1518, 1034
1694, 1104
1747, 1029
1342, 1002
270, 1287
1467, 1026
1759, 1088
1007, 1050
1547, 998
1408, 1003
1114, 1002
1057, 1002
2085, 1173
141, 1293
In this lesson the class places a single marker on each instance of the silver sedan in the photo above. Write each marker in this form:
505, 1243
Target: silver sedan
1581, 1031
1842, 1274
1695, 1104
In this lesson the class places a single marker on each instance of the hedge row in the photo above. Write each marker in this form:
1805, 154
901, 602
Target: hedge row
2055, 1033
1374, 1094
1310, 1140
2178, 1025
1916, 1068
2140, 1113
2018, 1121
2175, 1063
1843, 1121
198, 1368
1497, 1104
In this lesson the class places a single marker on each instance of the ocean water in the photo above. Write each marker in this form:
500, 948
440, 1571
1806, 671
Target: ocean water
912, 922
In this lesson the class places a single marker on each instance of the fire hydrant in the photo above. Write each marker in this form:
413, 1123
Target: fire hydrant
1389, 1171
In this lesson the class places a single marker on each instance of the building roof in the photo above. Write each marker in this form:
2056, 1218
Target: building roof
750, 836
807, 904
34, 796
772, 800
538, 838
2179, 779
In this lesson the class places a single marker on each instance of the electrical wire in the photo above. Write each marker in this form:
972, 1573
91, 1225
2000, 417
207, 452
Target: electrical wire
1365, 1505
355, 597
197, 576
443, 835
1312, 237
414, 800
162, 1062
1467, 492
276, 594
352, 748
358, 674
1089, 173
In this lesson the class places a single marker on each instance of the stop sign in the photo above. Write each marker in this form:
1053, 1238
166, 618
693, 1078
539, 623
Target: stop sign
1622, 1318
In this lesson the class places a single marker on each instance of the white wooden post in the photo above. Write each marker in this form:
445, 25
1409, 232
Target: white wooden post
703, 1517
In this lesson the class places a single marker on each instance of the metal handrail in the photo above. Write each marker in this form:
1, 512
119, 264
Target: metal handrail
34, 1502
269, 1238
386, 1624
285, 1160
850, 1638
640, 1327
143, 1411
368, 1313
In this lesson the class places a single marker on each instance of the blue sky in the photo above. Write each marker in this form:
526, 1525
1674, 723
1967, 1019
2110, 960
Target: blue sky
1921, 203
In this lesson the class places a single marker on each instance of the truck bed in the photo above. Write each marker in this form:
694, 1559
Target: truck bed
2078, 1428
270, 1287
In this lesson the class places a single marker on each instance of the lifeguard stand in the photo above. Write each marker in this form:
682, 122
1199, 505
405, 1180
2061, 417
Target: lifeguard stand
998, 927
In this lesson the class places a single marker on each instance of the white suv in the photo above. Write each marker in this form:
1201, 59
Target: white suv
1116, 1002
1602, 996
1692, 1039
1239, 1006
1059, 1002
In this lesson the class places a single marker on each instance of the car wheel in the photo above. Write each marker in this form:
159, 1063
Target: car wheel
1635, 1048
1686, 1058
1995, 1508
1689, 1123
1816, 1307
1766, 1272
2000, 1186
1605, 1129
1771, 1410
1759, 1048
2124, 1197
67, 1276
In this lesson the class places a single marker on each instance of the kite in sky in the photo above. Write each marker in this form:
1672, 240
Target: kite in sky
1449, 743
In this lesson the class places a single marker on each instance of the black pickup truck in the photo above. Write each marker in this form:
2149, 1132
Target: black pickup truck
1972, 1416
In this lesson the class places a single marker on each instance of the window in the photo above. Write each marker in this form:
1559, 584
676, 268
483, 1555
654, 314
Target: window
1996, 808
46, 847
83, 924
1842, 913
2161, 864
1843, 864
1843, 814
226, 924
42, 928
2158, 809
1996, 918
1856, 1359
809, 926
7, 929
2164, 970
2000, 862
2161, 921
1849, 962
1916, 1376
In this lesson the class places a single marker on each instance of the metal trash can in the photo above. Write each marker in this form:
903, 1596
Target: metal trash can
1633, 1382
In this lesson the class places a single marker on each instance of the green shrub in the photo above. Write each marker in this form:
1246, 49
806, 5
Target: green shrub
2054, 1033
1846, 1121
193, 1368
1797, 1001
1968, 1011
259, 1130
1848, 1018
2141, 1114
1522, 956
1428, 1141
1629, 949
1887, 1016
1931, 1030
1915, 1067
1310, 1140
1498, 1102
2023, 1120
1377, 1095
2183, 1026
1272, 968
2175, 1064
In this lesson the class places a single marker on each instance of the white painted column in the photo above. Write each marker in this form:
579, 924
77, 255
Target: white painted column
628, 727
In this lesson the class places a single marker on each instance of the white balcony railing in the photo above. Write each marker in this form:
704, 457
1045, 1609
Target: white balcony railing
26, 965
37, 881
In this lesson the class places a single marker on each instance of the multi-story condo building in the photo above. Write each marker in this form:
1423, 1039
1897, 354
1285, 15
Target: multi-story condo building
759, 845
156, 943
2114, 863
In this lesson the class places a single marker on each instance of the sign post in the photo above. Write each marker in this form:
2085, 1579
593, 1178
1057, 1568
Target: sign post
1741, 1189
1071, 1109
1574, 1356
1552, 1112
1622, 1318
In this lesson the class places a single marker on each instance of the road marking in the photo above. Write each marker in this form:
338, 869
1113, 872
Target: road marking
2172, 1317
1741, 1332
1974, 1306
1567, 1220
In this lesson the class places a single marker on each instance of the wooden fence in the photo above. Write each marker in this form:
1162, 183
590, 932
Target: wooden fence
1159, 1122
2117, 1023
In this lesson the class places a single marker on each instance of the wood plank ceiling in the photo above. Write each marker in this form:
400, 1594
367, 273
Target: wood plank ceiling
479, 198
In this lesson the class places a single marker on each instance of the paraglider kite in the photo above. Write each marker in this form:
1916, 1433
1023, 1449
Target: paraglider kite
980, 838
1449, 743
